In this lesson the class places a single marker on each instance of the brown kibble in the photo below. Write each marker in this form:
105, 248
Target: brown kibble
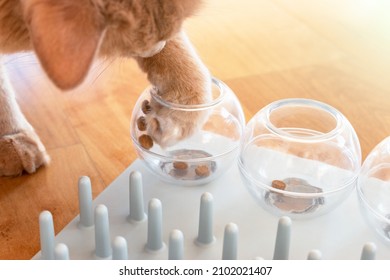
202, 171
145, 107
141, 123
146, 141
277, 184
180, 165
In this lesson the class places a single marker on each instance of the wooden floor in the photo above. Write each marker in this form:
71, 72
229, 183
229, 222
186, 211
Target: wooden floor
335, 51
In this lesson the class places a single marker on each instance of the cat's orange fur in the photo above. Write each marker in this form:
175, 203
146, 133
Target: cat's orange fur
67, 35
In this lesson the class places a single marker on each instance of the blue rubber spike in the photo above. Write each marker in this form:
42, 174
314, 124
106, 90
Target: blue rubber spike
314, 255
154, 239
369, 251
119, 249
176, 245
61, 252
103, 248
136, 198
283, 236
46, 233
206, 216
85, 202
230, 241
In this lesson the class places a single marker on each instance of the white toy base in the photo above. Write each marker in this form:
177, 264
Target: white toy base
341, 234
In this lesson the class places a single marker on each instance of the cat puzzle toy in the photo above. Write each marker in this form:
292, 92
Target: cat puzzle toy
282, 188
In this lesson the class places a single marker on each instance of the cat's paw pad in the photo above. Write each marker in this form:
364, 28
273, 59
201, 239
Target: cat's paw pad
21, 152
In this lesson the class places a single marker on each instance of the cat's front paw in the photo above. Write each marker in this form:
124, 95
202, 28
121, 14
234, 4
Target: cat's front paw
168, 123
22, 151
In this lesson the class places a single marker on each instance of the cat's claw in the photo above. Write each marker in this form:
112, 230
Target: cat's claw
21, 152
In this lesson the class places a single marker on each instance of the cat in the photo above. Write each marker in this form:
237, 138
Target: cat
67, 35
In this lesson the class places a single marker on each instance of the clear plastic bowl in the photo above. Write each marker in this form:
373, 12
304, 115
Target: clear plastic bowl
299, 158
373, 189
208, 152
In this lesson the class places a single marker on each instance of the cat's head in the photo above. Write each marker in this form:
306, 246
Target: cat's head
67, 34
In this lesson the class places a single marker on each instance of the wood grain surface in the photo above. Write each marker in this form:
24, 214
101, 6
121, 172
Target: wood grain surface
335, 51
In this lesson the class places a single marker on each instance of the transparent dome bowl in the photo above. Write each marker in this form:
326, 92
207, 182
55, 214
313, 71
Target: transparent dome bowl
208, 152
373, 189
299, 158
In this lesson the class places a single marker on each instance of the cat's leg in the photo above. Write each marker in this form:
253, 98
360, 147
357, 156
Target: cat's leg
20, 147
178, 76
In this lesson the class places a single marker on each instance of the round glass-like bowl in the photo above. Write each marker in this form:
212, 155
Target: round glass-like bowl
373, 189
299, 158
208, 152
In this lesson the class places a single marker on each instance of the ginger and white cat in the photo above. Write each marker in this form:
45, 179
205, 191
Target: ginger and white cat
67, 35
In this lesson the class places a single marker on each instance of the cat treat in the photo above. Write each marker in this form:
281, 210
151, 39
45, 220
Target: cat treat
180, 165
146, 141
277, 184
180, 170
202, 170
